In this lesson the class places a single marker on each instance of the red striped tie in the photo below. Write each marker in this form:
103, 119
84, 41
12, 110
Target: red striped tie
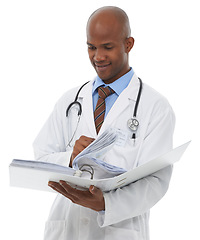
99, 111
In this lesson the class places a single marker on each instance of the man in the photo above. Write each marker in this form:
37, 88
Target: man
123, 213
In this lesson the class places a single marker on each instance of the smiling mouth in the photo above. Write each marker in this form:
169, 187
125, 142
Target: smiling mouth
102, 67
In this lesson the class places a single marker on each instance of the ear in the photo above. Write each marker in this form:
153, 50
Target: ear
129, 44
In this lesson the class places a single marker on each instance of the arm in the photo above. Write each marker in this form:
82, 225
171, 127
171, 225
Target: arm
93, 198
79, 146
138, 197
50, 144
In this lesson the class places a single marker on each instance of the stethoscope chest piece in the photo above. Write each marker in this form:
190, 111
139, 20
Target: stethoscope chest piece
133, 124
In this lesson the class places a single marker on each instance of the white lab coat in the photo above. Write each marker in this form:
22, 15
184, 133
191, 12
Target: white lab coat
126, 214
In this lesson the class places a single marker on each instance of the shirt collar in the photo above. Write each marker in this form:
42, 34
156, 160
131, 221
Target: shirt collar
118, 86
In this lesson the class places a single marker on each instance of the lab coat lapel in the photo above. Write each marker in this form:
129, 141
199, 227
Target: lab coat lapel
128, 95
85, 97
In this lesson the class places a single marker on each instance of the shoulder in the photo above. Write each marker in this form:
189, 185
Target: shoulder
152, 96
155, 103
149, 96
70, 95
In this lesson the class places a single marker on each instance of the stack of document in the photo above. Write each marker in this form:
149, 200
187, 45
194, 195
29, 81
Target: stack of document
88, 168
89, 160
87, 164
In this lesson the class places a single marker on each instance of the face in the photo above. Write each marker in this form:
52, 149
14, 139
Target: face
108, 50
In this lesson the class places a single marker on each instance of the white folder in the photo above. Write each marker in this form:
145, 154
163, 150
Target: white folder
28, 176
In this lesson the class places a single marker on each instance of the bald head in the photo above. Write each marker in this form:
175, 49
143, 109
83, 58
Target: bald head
109, 42
113, 18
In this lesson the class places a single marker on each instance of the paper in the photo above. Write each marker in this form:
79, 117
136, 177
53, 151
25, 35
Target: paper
93, 154
99, 147
43, 166
29, 177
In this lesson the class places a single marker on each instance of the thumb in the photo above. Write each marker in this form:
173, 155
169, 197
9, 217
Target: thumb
94, 190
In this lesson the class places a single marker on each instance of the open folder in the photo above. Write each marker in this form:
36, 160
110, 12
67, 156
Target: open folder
36, 175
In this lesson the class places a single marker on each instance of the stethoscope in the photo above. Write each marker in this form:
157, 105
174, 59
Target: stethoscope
132, 123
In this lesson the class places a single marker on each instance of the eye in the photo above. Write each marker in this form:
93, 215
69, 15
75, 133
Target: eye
108, 47
91, 47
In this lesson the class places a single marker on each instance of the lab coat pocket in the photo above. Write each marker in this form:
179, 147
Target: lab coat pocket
55, 230
116, 233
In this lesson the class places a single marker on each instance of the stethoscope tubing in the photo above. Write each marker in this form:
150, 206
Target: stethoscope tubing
80, 107
76, 102
138, 98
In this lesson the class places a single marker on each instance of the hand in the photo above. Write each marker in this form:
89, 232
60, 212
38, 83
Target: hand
79, 146
92, 198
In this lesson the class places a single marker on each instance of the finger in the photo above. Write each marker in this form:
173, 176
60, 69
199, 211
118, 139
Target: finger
80, 145
55, 186
89, 140
95, 191
73, 192
84, 141
58, 187
68, 188
70, 192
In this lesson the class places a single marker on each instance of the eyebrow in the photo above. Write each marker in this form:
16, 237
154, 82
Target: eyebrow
89, 44
104, 44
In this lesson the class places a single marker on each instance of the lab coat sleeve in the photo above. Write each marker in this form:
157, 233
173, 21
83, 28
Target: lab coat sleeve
138, 197
49, 145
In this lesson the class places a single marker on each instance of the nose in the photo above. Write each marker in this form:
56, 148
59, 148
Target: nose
99, 55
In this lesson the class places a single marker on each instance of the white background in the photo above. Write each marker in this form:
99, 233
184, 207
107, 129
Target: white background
43, 53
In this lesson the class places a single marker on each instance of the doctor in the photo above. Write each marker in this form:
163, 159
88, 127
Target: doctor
123, 213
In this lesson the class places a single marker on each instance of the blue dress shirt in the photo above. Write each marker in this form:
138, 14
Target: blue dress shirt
118, 86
